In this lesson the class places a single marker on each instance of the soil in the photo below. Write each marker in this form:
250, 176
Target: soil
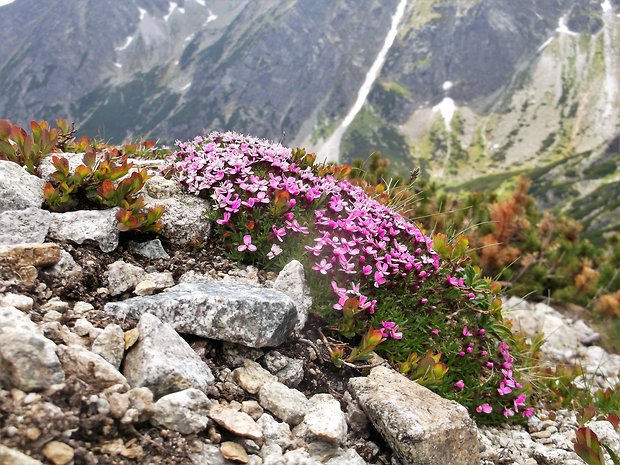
70, 413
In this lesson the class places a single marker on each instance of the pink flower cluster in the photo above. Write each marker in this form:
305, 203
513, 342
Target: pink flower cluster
355, 240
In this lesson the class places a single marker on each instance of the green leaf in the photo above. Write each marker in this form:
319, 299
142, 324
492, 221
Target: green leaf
588, 447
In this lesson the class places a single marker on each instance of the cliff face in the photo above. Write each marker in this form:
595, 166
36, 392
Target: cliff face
469, 88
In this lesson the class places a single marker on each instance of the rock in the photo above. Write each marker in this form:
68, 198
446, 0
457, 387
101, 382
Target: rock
19, 301
89, 367
275, 432
348, 457
55, 304
22, 255
10, 456
46, 168
154, 282
323, 421
288, 370
252, 408
239, 423
162, 361
28, 360
252, 376
235, 355
86, 226
234, 312
58, 452
271, 454
110, 345
292, 281
24, 226
18, 188
233, 451
84, 328
123, 277
607, 435
59, 333
356, 418
183, 411
66, 271
159, 187
298, 456
153, 250
209, 454
420, 426
248, 445
287, 404
185, 217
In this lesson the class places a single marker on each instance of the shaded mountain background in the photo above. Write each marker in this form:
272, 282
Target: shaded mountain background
475, 92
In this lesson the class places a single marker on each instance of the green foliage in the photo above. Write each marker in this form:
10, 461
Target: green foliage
103, 182
25, 149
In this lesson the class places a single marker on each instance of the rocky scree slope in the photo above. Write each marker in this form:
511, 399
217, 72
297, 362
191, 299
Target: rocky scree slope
116, 351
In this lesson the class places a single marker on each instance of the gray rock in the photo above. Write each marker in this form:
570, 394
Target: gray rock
154, 282
19, 301
64, 272
21, 226
18, 188
162, 361
209, 454
185, 217
239, 423
275, 432
299, 457
292, 281
123, 277
420, 426
28, 360
271, 454
234, 312
607, 435
323, 421
159, 187
287, 404
10, 456
252, 408
150, 249
110, 345
86, 226
183, 411
46, 168
348, 457
89, 367
235, 355
252, 376
288, 370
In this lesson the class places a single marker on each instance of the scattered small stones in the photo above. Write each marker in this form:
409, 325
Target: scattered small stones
110, 345
89, 367
123, 277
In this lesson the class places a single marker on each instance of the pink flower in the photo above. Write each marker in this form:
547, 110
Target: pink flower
503, 389
322, 267
519, 401
247, 244
508, 412
390, 329
435, 332
274, 252
471, 295
466, 332
279, 233
484, 408
224, 219
460, 384
528, 412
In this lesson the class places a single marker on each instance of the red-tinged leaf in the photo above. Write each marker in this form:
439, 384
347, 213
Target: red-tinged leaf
35, 128
90, 158
18, 135
106, 190
588, 413
82, 143
61, 164
63, 125
148, 144
48, 190
614, 420
588, 447
81, 172
5, 128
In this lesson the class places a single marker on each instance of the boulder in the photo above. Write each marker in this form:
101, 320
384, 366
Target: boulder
24, 226
185, 219
184, 411
292, 281
162, 361
86, 226
28, 360
226, 311
18, 188
419, 425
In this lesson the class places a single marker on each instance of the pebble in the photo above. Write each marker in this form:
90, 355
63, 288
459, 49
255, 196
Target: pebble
58, 452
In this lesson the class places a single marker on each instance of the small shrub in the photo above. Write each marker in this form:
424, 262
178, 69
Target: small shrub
25, 149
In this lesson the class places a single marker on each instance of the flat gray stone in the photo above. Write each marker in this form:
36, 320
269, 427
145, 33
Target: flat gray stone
28, 360
18, 188
184, 411
420, 426
226, 311
86, 226
324, 421
287, 404
153, 250
20, 226
162, 361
